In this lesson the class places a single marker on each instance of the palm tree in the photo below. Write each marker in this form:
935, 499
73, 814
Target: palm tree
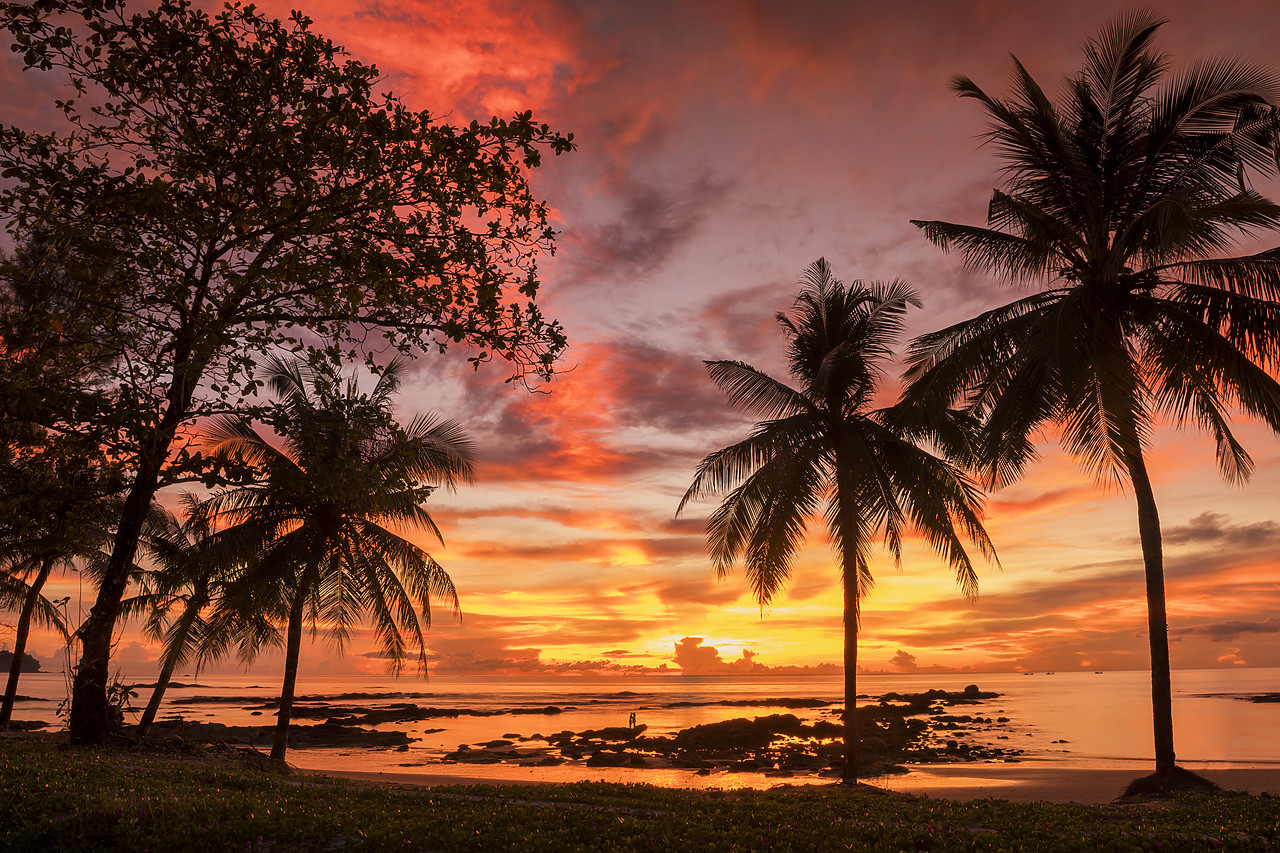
192, 567
21, 588
1120, 198
824, 448
64, 519
316, 522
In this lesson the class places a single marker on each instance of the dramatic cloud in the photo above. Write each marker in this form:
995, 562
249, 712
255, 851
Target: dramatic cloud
652, 226
905, 661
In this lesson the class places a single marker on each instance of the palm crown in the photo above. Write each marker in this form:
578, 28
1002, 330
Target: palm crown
1122, 196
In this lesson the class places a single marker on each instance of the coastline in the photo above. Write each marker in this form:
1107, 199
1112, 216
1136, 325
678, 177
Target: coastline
958, 782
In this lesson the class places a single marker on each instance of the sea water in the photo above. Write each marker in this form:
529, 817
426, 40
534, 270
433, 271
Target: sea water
1070, 719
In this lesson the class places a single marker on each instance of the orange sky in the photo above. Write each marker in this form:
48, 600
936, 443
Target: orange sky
722, 148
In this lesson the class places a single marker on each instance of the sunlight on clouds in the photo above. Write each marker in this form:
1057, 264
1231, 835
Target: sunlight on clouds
627, 555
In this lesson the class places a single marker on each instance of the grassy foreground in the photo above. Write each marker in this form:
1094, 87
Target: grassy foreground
55, 798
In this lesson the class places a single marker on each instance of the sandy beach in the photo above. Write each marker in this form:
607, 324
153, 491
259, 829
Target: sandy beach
948, 781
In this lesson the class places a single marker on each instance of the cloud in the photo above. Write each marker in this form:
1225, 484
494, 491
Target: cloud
654, 223
705, 591
1052, 499
1229, 632
693, 658
1214, 527
497, 656
904, 661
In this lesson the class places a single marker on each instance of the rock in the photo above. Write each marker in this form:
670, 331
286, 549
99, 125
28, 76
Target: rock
615, 733
739, 733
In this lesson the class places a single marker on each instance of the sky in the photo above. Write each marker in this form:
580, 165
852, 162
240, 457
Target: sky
722, 148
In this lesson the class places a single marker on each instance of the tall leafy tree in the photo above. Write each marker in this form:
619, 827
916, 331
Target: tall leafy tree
1122, 198
243, 186
318, 527
825, 448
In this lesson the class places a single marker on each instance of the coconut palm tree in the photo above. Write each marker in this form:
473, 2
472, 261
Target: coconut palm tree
192, 566
21, 588
64, 521
825, 448
319, 522
1121, 200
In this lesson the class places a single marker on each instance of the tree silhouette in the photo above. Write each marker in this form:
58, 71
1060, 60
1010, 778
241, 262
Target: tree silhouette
823, 448
315, 529
242, 184
1121, 196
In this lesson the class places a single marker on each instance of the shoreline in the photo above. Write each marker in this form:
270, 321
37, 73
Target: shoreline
958, 782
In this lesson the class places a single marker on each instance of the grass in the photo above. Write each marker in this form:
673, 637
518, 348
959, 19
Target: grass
55, 798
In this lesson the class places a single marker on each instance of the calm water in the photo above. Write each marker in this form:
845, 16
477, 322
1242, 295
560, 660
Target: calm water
1075, 719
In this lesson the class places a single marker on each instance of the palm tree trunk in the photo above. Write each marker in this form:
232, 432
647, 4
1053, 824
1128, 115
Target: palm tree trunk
848, 522
20, 636
293, 646
849, 776
195, 603
157, 695
1157, 618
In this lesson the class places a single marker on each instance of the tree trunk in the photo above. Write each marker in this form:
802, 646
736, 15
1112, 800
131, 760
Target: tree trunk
849, 566
293, 646
194, 604
90, 720
20, 636
849, 776
157, 695
1157, 618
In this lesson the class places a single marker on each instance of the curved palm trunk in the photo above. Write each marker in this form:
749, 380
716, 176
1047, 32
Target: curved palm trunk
90, 720
293, 646
20, 636
1157, 618
183, 629
157, 696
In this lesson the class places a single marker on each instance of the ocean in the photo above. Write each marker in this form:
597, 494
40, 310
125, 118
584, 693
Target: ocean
1070, 719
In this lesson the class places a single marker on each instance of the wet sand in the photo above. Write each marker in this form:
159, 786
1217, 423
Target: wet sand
1052, 784
945, 781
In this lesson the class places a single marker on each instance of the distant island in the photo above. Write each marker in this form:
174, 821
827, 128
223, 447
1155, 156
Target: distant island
29, 664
